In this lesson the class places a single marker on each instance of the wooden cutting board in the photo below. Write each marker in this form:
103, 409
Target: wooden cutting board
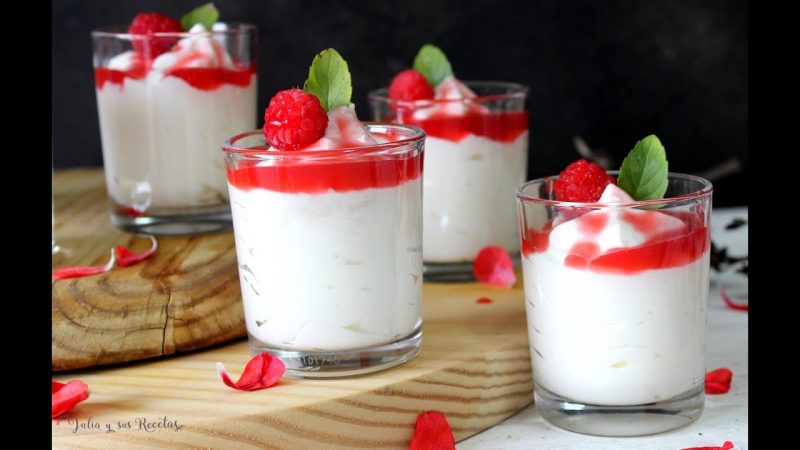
474, 365
185, 297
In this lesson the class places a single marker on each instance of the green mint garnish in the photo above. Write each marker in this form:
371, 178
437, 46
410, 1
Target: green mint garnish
206, 14
432, 64
644, 171
329, 80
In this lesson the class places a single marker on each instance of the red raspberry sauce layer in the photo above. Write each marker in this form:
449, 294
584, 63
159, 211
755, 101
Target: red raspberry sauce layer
659, 251
202, 78
297, 176
497, 126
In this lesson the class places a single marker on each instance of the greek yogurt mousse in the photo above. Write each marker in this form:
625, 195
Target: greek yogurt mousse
616, 272
163, 118
327, 226
616, 304
476, 157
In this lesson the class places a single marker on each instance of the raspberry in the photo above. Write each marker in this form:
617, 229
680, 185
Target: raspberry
294, 119
410, 85
582, 181
149, 23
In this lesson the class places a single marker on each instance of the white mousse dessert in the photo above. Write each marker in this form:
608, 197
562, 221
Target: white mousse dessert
328, 236
474, 161
476, 156
163, 121
616, 304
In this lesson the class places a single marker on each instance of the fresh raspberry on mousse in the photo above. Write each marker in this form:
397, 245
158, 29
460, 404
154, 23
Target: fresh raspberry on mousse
149, 23
294, 119
410, 85
582, 181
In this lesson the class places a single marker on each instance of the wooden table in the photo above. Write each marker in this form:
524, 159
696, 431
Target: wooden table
474, 365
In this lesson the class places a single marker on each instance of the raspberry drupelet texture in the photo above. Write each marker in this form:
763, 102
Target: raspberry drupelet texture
149, 23
410, 85
582, 181
294, 119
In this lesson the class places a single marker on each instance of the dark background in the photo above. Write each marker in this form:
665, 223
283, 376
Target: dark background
610, 71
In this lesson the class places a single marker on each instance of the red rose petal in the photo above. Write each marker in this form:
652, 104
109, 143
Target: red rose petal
484, 300
493, 266
432, 432
727, 445
82, 271
730, 303
126, 258
719, 381
65, 396
119, 255
263, 371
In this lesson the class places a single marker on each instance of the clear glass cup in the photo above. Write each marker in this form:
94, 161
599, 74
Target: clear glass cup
329, 251
616, 298
476, 156
163, 119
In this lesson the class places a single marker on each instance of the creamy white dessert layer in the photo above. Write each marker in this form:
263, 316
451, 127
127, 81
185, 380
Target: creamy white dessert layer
617, 339
332, 270
180, 130
469, 189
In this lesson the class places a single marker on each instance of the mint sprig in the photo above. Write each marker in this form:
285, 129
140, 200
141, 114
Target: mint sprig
206, 15
329, 79
644, 171
432, 64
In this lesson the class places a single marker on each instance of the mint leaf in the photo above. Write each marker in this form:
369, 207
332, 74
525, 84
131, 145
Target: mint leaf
432, 64
206, 14
644, 171
329, 80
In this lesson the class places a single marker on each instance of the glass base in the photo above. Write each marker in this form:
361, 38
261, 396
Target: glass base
636, 420
344, 363
180, 224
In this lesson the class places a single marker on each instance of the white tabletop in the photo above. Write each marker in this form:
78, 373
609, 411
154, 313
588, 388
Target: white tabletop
725, 416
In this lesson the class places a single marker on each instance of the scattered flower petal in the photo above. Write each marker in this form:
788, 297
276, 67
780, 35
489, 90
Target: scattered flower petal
263, 371
65, 396
126, 258
730, 303
120, 255
432, 432
727, 445
82, 271
484, 300
493, 266
719, 381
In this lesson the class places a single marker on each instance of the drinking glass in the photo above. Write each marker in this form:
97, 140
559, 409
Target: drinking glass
166, 102
616, 298
329, 250
476, 156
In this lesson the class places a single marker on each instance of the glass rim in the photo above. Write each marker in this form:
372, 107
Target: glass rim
705, 190
121, 31
416, 135
517, 90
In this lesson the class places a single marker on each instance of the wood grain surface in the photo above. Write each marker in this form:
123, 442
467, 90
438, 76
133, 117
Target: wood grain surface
185, 297
474, 365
